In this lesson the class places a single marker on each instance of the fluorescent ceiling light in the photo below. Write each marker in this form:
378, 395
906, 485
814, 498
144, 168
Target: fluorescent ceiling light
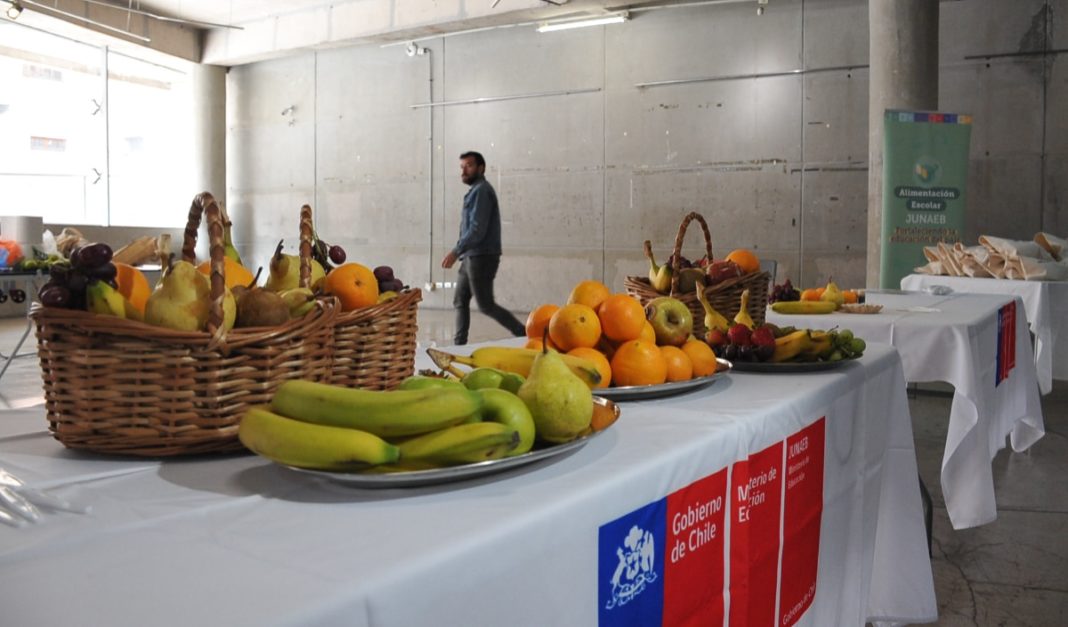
615, 18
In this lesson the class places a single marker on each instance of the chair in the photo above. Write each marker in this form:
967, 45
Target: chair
770, 266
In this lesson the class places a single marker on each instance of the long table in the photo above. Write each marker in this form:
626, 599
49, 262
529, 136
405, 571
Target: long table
1046, 303
979, 344
777, 498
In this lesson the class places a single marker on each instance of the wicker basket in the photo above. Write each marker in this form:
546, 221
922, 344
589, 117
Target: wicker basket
724, 296
119, 386
374, 347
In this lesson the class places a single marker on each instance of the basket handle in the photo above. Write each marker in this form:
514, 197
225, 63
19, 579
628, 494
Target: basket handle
690, 217
204, 204
306, 231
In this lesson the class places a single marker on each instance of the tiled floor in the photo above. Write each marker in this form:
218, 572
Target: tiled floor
1012, 572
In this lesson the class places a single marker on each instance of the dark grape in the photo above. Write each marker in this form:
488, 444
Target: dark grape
17, 295
93, 255
764, 353
105, 272
745, 353
337, 255
59, 272
731, 352
77, 281
54, 296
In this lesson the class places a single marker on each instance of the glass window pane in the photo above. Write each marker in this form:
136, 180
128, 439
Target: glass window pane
151, 152
52, 127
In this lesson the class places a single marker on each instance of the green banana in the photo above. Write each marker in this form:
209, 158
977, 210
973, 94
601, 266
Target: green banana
659, 275
383, 413
506, 408
803, 307
101, 298
462, 444
422, 382
307, 445
517, 360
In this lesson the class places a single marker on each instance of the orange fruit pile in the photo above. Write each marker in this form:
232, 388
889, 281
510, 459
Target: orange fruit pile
611, 332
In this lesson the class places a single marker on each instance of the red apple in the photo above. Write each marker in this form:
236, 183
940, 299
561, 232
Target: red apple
722, 270
739, 334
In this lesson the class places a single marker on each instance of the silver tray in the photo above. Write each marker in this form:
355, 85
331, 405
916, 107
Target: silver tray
639, 392
418, 478
789, 366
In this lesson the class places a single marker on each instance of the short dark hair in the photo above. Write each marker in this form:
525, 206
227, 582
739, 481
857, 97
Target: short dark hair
477, 156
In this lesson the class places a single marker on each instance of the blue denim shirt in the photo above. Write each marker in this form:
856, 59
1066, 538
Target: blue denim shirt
480, 224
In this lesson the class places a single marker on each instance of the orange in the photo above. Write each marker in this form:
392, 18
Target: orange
701, 357
606, 347
810, 294
353, 284
590, 293
539, 319
679, 366
234, 273
622, 317
603, 417
574, 326
648, 333
745, 259
132, 284
536, 344
598, 360
850, 297
638, 362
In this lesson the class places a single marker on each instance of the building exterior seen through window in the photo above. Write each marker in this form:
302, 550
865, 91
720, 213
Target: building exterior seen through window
92, 136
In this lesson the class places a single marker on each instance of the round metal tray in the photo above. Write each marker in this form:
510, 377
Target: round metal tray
789, 366
639, 392
450, 474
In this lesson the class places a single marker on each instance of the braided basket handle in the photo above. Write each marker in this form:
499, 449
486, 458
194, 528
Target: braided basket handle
204, 204
306, 230
690, 217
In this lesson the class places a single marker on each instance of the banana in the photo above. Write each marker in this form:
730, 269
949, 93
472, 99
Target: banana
713, 319
101, 298
790, 346
517, 360
462, 444
307, 445
422, 382
743, 317
803, 307
822, 344
659, 275
383, 413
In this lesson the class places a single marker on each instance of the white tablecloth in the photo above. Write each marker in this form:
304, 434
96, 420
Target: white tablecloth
955, 339
240, 541
1046, 303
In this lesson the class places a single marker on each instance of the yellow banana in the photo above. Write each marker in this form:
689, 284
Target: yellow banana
713, 319
462, 444
822, 344
790, 346
517, 360
803, 307
307, 445
742, 317
659, 275
101, 298
386, 414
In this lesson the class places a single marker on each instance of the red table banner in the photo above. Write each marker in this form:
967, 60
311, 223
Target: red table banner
693, 568
802, 513
756, 488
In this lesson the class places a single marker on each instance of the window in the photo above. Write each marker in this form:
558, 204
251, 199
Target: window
89, 135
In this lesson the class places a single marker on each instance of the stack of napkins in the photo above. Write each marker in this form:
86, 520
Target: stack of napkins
1045, 258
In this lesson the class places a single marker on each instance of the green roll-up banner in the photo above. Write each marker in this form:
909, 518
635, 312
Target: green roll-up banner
925, 169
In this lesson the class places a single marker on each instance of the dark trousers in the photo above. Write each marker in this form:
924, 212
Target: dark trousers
475, 277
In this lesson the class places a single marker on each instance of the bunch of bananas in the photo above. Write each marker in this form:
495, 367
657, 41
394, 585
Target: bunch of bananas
421, 425
815, 345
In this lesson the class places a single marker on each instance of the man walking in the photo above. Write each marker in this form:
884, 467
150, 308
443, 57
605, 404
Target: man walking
479, 251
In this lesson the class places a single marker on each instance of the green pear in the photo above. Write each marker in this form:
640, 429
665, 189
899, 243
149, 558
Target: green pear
285, 272
182, 300
560, 402
300, 301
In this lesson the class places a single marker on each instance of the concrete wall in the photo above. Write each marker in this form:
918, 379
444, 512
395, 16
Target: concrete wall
774, 163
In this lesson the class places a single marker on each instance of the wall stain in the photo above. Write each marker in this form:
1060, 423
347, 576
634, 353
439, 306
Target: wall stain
1034, 39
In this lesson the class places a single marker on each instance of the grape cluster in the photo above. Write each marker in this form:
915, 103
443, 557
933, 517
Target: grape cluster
327, 255
784, 292
68, 279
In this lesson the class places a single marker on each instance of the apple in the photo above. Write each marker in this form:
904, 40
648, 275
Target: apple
719, 271
671, 320
508, 409
738, 335
483, 379
763, 336
716, 337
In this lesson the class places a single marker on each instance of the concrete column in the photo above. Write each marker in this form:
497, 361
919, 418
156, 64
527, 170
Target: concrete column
903, 52
209, 130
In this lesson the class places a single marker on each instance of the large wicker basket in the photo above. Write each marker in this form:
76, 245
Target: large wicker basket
119, 386
725, 296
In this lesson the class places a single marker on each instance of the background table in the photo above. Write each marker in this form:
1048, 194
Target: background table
955, 339
1046, 303
241, 541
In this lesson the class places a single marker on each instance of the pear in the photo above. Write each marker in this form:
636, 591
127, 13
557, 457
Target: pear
181, 301
832, 294
285, 272
259, 307
560, 402
299, 300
